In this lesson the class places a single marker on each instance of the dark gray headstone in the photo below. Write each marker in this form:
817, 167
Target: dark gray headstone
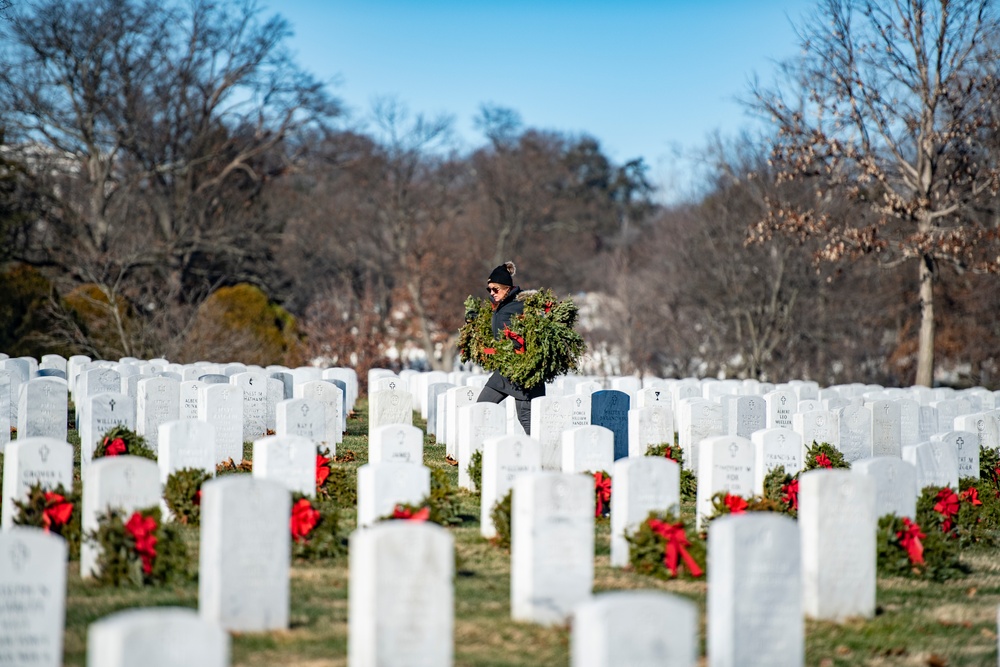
609, 408
51, 373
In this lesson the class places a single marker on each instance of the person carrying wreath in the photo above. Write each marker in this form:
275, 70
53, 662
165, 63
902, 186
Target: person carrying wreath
507, 300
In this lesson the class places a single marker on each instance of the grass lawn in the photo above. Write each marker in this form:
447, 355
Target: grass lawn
917, 622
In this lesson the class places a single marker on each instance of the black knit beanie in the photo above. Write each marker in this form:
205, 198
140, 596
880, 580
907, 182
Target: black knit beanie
503, 274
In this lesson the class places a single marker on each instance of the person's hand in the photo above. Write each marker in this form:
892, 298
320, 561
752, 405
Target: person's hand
470, 315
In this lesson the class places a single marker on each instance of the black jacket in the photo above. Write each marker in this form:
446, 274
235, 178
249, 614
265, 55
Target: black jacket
512, 304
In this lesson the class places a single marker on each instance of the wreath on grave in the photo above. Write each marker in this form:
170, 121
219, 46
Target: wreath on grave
783, 490
443, 499
419, 512
724, 503
602, 494
182, 493
230, 467
475, 470
984, 503
121, 440
324, 466
672, 451
54, 511
539, 345
140, 550
661, 548
956, 514
989, 469
501, 520
905, 549
317, 530
824, 455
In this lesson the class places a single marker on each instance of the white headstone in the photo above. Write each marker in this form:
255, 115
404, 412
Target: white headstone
856, 433
304, 417
126, 483
245, 553
188, 393
639, 485
838, 525
221, 405
332, 398
966, 445
817, 426
886, 428
986, 426
936, 462
627, 628
455, 399
33, 609
396, 443
505, 458
254, 386
186, 443
755, 592
100, 414
774, 447
157, 402
726, 464
746, 415
588, 449
781, 404
476, 423
43, 409
390, 406
157, 637
896, 488
653, 425
31, 461
288, 459
382, 486
552, 546
401, 605
550, 417
697, 419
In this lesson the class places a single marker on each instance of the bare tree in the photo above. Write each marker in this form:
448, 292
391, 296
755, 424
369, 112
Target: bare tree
889, 106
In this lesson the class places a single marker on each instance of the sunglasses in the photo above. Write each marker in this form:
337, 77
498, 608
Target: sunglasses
494, 290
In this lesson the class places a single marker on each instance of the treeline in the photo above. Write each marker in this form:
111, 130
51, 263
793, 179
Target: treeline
172, 183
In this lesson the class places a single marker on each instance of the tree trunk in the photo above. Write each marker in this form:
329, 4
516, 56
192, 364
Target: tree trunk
925, 351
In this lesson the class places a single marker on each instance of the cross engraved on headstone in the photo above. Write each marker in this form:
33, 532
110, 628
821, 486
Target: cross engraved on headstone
305, 410
937, 454
579, 401
960, 441
471, 394
47, 389
783, 399
18, 555
392, 385
885, 408
733, 449
44, 453
129, 475
112, 404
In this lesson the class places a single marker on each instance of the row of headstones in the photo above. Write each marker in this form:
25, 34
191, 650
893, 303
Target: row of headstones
767, 574
243, 406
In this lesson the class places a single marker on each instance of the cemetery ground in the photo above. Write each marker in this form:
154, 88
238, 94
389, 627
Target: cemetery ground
917, 622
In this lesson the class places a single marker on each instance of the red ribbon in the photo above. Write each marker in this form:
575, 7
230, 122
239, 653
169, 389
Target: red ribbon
141, 529
735, 504
400, 512
304, 519
322, 469
972, 495
946, 506
823, 461
909, 539
676, 547
489, 350
791, 491
668, 452
116, 447
57, 511
602, 491
517, 338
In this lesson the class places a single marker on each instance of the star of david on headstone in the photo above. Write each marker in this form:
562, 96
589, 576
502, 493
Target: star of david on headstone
18, 555
43, 453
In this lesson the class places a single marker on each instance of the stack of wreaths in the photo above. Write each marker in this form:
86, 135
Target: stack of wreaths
539, 345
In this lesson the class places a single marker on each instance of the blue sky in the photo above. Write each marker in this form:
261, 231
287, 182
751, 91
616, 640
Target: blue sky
647, 79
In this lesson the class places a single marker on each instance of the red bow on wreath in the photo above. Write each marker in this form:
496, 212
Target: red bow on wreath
947, 507
602, 491
400, 512
909, 539
304, 519
736, 504
57, 511
116, 447
972, 495
676, 547
322, 469
791, 491
517, 338
141, 529
823, 461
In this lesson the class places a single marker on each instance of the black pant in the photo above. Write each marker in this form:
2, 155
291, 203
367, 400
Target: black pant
491, 395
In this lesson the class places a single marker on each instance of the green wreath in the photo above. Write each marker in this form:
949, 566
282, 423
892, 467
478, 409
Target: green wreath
551, 347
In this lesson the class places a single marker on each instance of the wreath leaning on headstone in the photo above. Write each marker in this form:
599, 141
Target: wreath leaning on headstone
660, 547
120, 440
539, 345
139, 549
182, 493
54, 511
